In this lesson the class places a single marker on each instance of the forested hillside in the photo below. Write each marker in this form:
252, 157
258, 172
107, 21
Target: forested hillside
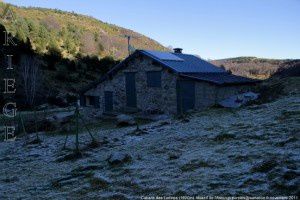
253, 67
69, 50
71, 34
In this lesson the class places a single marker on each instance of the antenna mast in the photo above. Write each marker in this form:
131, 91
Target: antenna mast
128, 42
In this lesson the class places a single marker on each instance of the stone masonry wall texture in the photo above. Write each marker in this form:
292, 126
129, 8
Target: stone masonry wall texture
149, 99
158, 100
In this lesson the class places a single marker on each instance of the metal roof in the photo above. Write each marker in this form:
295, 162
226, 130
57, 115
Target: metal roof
165, 56
219, 78
188, 66
190, 63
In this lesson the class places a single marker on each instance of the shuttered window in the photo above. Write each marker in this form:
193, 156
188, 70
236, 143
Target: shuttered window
154, 79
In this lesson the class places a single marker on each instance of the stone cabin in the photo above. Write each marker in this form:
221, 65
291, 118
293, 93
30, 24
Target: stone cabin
155, 82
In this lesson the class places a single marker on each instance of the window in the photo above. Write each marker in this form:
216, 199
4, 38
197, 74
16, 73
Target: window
154, 79
92, 101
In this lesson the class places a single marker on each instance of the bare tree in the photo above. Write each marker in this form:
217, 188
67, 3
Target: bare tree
30, 72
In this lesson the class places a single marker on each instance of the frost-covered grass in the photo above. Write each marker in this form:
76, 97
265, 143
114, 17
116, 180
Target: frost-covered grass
250, 151
40, 113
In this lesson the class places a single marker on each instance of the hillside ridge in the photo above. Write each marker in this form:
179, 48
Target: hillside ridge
70, 33
254, 67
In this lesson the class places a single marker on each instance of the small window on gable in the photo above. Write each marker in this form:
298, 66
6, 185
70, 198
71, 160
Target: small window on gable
155, 63
154, 79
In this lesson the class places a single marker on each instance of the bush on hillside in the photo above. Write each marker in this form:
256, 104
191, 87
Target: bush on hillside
289, 69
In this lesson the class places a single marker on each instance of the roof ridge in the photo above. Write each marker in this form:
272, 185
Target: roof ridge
188, 54
189, 63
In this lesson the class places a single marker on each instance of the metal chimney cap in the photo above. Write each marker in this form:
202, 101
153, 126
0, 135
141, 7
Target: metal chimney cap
177, 50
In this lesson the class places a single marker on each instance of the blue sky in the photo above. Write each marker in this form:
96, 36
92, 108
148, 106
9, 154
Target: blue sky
210, 28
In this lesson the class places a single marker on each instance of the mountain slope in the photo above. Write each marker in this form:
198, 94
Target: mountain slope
70, 51
71, 33
253, 67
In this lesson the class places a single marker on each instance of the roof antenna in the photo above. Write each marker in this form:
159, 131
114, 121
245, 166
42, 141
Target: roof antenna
129, 47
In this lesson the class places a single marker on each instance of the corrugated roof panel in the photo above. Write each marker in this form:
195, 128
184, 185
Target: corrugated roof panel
190, 63
166, 56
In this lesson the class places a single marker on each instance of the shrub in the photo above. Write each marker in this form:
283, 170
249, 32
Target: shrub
71, 98
51, 23
269, 92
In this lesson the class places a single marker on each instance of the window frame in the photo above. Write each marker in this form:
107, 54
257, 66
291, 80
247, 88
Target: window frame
154, 79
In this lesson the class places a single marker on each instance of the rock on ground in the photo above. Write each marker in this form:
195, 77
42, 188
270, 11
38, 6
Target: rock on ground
118, 158
125, 120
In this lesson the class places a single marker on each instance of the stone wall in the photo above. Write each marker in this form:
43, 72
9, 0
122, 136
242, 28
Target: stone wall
227, 91
158, 100
149, 99
207, 94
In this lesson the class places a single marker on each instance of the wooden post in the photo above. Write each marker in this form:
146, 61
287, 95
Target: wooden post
137, 127
22, 123
45, 116
77, 129
36, 129
65, 143
90, 133
5, 124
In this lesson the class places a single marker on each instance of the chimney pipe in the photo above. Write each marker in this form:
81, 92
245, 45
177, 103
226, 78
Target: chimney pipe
178, 50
